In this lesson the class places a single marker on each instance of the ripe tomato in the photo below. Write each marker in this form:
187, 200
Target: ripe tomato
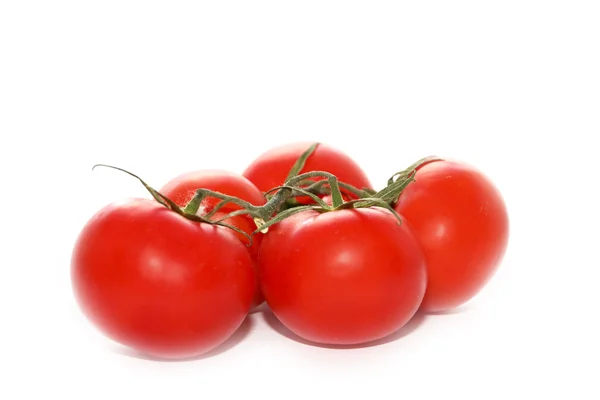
461, 221
157, 282
271, 168
182, 188
342, 277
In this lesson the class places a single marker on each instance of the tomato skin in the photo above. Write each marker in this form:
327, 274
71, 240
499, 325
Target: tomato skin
271, 168
343, 277
182, 188
159, 283
461, 221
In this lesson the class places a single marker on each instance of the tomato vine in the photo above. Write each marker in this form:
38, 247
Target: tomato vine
281, 203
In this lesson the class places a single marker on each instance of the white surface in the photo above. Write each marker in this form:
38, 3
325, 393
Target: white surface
164, 87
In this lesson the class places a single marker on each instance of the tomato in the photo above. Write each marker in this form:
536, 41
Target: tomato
271, 168
461, 221
157, 282
342, 277
182, 188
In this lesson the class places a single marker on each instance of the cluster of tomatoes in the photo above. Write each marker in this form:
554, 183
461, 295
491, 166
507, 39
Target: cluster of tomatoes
302, 229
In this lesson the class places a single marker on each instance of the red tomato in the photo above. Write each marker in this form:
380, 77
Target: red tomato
271, 168
157, 282
462, 224
182, 188
342, 277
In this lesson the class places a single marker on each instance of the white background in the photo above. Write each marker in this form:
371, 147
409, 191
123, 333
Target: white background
160, 88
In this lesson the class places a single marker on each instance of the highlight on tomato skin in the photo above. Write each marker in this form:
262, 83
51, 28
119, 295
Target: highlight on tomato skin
344, 277
461, 221
271, 168
154, 281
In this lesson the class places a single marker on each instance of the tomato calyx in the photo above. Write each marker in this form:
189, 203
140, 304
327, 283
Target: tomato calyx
189, 211
413, 168
400, 180
385, 198
365, 201
316, 187
282, 203
276, 210
320, 188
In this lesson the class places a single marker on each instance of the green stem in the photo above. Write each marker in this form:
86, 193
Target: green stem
400, 180
336, 194
216, 209
297, 191
171, 205
281, 196
355, 191
194, 204
234, 214
282, 204
301, 161
263, 212
391, 192
320, 188
226, 198
370, 202
411, 168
